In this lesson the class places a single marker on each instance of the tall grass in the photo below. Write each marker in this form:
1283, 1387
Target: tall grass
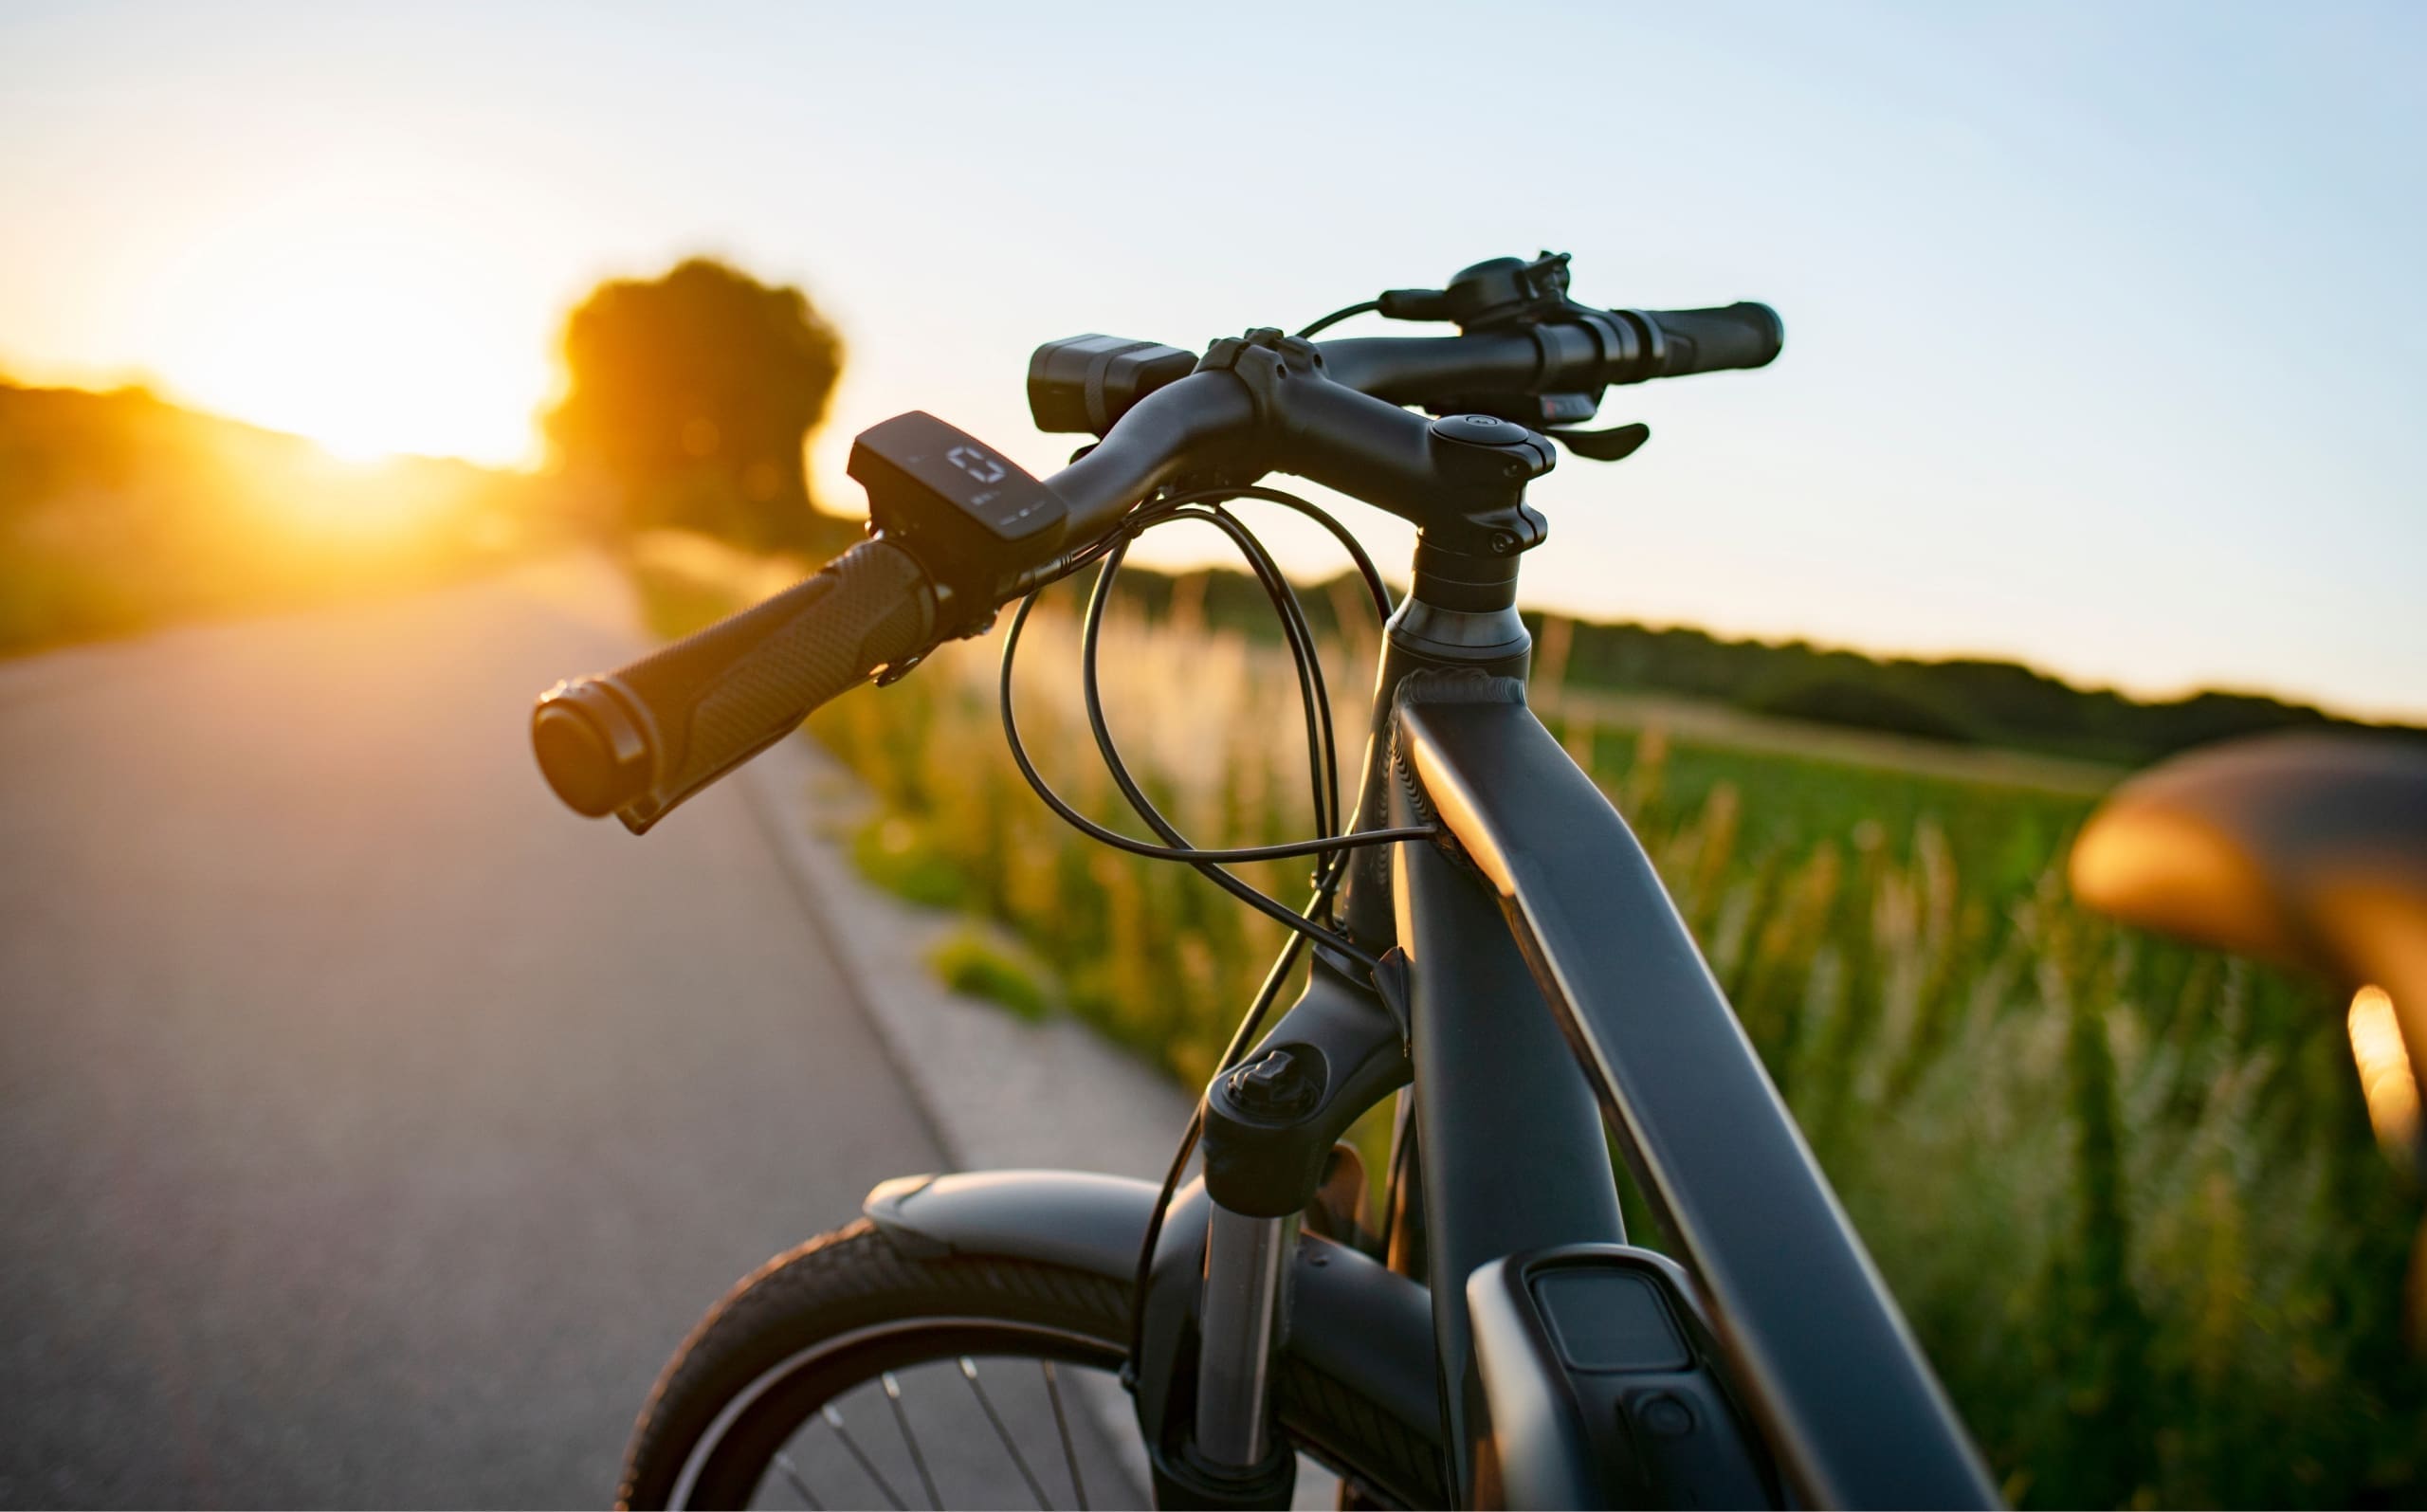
2125, 1190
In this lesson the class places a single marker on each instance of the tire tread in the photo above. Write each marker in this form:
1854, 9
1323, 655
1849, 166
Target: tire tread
855, 1277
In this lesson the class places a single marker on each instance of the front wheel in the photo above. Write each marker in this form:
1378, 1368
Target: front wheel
850, 1373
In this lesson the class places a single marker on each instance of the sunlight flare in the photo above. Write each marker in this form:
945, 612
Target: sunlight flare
2385, 1075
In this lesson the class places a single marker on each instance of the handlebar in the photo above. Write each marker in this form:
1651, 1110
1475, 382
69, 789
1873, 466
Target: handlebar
636, 742
1152, 441
1743, 335
960, 531
1583, 355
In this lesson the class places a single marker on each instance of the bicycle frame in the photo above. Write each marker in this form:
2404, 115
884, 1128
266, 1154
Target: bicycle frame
1557, 903
1549, 984
1538, 994
1552, 990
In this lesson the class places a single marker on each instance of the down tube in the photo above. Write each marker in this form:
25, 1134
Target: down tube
1510, 1138
1852, 1408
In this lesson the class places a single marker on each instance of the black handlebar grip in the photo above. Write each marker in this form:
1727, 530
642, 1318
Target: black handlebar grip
1734, 335
636, 742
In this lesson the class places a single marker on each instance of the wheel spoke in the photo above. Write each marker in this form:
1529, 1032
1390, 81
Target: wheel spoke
969, 1374
784, 1463
910, 1440
834, 1421
1061, 1426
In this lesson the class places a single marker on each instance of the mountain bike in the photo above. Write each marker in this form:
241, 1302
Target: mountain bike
1482, 941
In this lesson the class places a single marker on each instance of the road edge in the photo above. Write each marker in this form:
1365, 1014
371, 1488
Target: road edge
995, 1088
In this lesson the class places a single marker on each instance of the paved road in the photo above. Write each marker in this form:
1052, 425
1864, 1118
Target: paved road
371, 1129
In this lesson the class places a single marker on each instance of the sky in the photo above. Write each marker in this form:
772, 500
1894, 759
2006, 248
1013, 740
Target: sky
2107, 325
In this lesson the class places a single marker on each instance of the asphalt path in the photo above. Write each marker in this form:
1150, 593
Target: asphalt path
372, 1129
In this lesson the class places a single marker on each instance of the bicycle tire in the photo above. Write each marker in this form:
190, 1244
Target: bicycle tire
847, 1305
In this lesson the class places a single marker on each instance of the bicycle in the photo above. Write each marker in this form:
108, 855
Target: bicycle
1486, 941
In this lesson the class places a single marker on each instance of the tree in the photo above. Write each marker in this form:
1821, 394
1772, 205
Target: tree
692, 395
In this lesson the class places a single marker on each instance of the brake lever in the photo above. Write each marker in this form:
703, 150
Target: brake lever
1605, 446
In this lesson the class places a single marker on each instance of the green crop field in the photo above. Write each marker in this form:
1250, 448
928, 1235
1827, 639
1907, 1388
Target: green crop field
2125, 1190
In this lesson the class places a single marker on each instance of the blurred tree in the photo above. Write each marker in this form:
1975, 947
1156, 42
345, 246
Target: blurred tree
693, 395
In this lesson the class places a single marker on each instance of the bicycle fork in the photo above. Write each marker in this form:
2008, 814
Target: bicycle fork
1244, 1318
1271, 1123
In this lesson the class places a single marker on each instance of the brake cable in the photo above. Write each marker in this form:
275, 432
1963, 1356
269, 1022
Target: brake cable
1322, 757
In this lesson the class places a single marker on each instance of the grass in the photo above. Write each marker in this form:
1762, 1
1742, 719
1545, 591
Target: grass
2125, 1190
969, 963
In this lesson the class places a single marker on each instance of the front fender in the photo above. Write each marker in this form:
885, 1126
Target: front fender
1072, 1218
1351, 1318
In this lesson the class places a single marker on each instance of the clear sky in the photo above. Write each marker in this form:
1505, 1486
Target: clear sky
2105, 323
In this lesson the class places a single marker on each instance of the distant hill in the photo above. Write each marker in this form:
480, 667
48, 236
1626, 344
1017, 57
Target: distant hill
1965, 700
120, 511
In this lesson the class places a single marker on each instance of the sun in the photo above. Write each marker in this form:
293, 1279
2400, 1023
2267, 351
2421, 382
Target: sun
364, 326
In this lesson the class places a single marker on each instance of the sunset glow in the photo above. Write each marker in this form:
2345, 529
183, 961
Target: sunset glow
365, 327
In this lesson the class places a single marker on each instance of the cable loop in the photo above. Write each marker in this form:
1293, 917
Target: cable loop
1305, 925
